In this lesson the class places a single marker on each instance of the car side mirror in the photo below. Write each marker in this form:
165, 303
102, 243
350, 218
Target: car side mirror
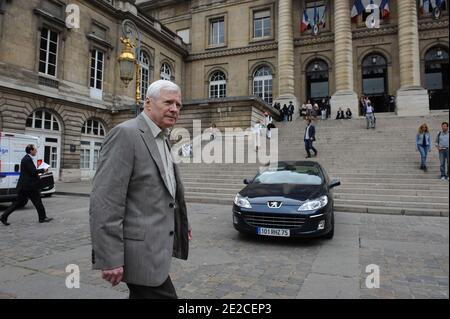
334, 183
248, 181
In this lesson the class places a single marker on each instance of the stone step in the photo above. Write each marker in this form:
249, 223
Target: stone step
384, 191
390, 198
400, 204
359, 188
239, 174
344, 181
340, 206
364, 209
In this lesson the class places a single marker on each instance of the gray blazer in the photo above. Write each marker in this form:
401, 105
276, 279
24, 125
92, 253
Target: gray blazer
134, 220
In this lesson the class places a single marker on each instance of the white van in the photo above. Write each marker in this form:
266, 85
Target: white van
12, 150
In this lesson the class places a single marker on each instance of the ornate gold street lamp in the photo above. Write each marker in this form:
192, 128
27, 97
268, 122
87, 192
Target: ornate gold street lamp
129, 57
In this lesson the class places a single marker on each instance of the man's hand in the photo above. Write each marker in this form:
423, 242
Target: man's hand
190, 234
114, 276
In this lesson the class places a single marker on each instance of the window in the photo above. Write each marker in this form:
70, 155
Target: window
93, 127
92, 134
428, 7
144, 61
316, 14
48, 52
166, 72
436, 77
85, 155
42, 120
96, 80
262, 84
374, 69
317, 79
217, 33
261, 24
217, 85
185, 35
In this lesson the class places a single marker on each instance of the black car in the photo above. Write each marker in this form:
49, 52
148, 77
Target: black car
289, 199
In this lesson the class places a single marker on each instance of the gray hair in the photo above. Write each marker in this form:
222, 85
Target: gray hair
154, 90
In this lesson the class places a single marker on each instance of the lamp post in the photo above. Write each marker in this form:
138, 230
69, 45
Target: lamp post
129, 58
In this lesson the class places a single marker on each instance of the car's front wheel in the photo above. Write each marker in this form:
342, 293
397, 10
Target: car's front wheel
330, 234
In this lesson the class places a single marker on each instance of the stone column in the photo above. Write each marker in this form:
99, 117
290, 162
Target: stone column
286, 90
412, 99
345, 96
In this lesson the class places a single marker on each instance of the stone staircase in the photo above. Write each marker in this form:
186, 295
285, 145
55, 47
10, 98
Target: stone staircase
378, 169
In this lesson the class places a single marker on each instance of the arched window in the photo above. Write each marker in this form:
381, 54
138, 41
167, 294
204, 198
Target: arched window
93, 128
374, 80
262, 84
166, 72
44, 120
144, 61
217, 85
317, 80
436, 77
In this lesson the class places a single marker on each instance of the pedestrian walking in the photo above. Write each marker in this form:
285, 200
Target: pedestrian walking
290, 111
442, 146
28, 187
138, 216
423, 145
309, 137
370, 115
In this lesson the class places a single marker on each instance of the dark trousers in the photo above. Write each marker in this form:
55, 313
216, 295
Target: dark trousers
165, 291
21, 200
290, 117
309, 146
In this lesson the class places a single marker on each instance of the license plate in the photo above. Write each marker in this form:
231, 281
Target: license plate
273, 232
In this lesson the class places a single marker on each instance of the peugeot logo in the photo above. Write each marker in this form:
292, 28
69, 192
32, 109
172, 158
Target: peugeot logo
274, 204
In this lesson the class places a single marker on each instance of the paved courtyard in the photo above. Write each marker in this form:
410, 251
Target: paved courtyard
412, 254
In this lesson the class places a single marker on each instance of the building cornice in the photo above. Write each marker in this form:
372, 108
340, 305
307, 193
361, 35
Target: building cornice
314, 40
230, 52
433, 24
145, 23
366, 33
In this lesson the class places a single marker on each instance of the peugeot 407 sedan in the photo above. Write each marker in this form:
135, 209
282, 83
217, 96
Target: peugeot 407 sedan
291, 199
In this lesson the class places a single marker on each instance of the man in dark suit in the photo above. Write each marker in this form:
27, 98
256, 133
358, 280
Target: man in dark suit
309, 137
291, 111
28, 188
138, 215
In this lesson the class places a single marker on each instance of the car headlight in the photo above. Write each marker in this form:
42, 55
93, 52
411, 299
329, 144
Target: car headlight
242, 201
314, 204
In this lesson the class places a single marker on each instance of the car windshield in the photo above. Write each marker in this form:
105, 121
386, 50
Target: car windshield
292, 174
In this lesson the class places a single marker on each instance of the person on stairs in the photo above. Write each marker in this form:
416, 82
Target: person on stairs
423, 145
309, 138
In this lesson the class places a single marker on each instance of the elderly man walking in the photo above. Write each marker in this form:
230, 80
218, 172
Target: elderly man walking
138, 215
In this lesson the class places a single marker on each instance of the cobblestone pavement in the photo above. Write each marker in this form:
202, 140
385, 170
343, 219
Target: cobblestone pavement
412, 254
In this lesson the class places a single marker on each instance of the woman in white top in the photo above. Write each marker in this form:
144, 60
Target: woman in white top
257, 134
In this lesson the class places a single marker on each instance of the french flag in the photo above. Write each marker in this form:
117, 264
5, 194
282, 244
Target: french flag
384, 8
424, 6
305, 22
357, 9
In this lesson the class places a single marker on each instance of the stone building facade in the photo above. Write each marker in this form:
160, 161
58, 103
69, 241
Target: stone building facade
406, 57
62, 84
232, 58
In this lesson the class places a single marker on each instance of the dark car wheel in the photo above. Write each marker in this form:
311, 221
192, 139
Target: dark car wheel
330, 234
